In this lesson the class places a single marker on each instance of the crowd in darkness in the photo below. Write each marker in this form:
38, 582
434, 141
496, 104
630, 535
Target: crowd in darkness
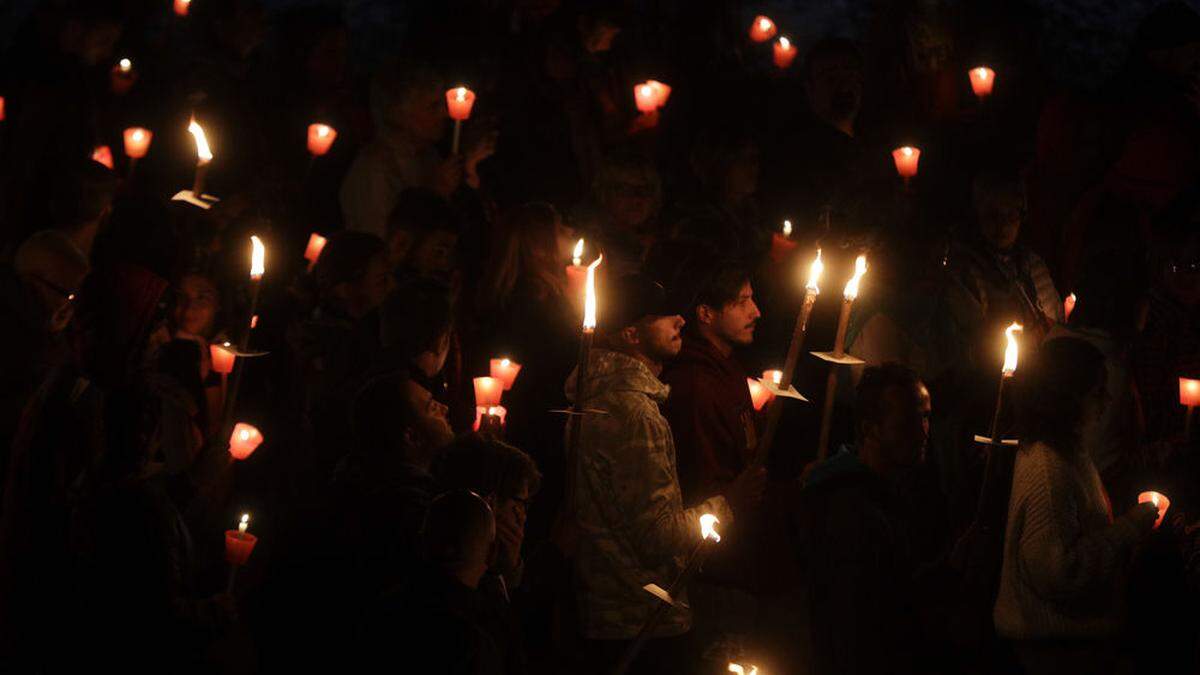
395, 533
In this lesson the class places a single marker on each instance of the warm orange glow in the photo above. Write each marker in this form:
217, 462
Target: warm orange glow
737, 668
181, 7
589, 298
982, 80
1011, 349
906, 159
312, 252
577, 254
258, 258
708, 528
645, 98
762, 29
1, 108
814, 274
320, 138
495, 411
1189, 392
662, 92
488, 391
505, 370
1158, 499
1068, 306
137, 142
775, 376
787, 228
203, 153
125, 65
860, 268
223, 358
785, 52
759, 395
103, 155
459, 102
244, 440
245, 523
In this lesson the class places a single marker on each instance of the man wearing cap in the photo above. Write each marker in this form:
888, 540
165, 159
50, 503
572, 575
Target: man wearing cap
633, 527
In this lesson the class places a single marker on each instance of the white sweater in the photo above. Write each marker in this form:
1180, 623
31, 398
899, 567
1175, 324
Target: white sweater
1064, 556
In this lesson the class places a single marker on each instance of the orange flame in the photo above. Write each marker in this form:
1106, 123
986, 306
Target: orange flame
577, 254
787, 228
860, 268
203, 153
814, 274
707, 529
1011, 350
589, 301
258, 258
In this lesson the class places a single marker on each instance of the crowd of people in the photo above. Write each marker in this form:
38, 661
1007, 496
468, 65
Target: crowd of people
399, 527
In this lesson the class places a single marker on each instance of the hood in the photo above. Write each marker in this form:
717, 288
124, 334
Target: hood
611, 372
698, 351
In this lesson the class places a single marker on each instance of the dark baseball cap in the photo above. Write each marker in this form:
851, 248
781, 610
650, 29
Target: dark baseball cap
626, 300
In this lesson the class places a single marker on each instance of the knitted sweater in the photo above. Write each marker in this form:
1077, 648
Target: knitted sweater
1064, 555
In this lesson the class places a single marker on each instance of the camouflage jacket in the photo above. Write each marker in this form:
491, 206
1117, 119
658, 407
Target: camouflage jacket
633, 527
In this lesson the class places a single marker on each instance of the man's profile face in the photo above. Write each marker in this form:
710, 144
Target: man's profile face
904, 429
736, 320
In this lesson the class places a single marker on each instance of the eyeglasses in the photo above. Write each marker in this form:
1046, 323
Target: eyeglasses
67, 294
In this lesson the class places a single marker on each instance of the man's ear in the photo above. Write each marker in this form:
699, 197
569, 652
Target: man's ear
630, 335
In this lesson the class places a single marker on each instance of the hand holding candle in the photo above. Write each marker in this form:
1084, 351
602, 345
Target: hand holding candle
505, 370
459, 102
982, 81
320, 138
1160, 501
489, 419
762, 29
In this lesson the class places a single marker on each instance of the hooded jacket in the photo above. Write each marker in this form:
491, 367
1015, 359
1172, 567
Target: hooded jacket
633, 527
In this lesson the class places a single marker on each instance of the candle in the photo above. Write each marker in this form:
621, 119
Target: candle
645, 96
781, 242
982, 81
811, 291
488, 391
239, 544
762, 29
254, 322
505, 370
576, 273
578, 407
312, 252
1158, 499
102, 154
459, 102
258, 256
223, 357
203, 156
244, 440
759, 395
258, 253
1189, 395
1, 108
137, 142
181, 7
122, 77
1068, 306
849, 294
906, 159
785, 52
320, 138
490, 417
1011, 351
662, 92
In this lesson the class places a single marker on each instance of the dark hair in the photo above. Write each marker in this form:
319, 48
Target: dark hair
421, 211
831, 47
454, 528
415, 316
83, 194
345, 258
486, 466
376, 408
872, 390
1052, 389
722, 284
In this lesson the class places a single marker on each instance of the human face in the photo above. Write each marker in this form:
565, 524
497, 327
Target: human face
431, 426
375, 285
999, 214
904, 430
630, 202
659, 337
433, 256
423, 114
196, 306
835, 89
735, 321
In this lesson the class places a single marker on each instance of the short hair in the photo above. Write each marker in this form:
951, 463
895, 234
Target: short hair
457, 530
83, 194
421, 211
831, 47
876, 381
415, 316
345, 258
1052, 389
723, 283
486, 466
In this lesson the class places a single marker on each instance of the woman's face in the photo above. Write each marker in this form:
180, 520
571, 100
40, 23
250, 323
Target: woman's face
196, 306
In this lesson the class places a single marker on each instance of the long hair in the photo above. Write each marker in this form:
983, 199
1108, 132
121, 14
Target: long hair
1053, 391
525, 250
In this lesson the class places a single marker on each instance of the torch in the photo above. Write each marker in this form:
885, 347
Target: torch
838, 355
203, 157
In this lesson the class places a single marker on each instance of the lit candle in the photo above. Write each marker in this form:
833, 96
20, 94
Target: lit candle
737, 668
181, 7
662, 92
781, 242
320, 138
312, 252
203, 157
849, 294
122, 77
223, 357
906, 159
1159, 500
1189, 396
759, 395
1, 108
1011, 352
488, 391
576, 273
102, 154
785, 52
505, 370
137, 144
1068, 306
239, 544
578, 408
258, 258
645, 97
244, 440
982, 81
459, 102
762, 29
490, 418
775, 376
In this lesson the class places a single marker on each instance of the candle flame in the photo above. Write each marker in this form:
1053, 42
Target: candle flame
577, 254
244, 523
983, 73
707, 529
787, 228
775, 376
737, 668
257, 258
322, 130
814, 273
244, 435
860, 268
1010, 351
647, 91
1189, 392
460, 94
125, 65
764, 23
785, 43
245, 519
907, 151
203, 153
589, 300
138, 135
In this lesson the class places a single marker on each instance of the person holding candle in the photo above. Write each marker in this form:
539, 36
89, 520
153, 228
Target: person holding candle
628, 506
1065, 561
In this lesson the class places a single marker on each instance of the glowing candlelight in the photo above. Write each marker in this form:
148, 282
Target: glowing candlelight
576, 274
1011, 349
1068, 306
577, 254
860, 268
589, 302
781, 242
762, 29
1159, 500
759, 395
245, 522
1, 108
1189, 395
223, 357
244, 440
785, 52
239, 544
312, 252
737, 668
814, 274
203, 157
258, 257
646, 98
181, 7
906, 159
488, 391
982, 81
459, 102
497, 413
662, 92
320, 138
775, 376
505, 370
102, 154
708, 528
787, 228
137, 142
